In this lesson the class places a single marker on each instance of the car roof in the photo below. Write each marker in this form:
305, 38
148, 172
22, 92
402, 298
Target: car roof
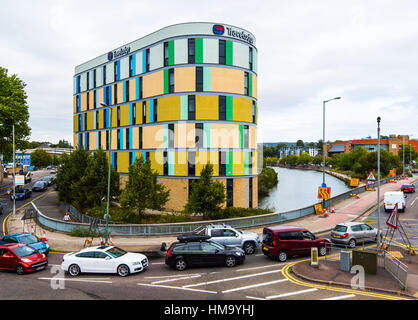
285, 228
12, 245
18, 234
101, 247
348, 224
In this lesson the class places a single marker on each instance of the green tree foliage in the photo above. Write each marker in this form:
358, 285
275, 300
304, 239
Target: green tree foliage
304, 159
142, 190
317, 159
300, 143
410, 153
13, 110
207, 196
266, 181
40, 158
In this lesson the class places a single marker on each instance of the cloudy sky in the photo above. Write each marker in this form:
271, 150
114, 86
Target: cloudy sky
308, 51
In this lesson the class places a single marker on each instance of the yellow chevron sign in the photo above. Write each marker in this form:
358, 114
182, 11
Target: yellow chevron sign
324, 193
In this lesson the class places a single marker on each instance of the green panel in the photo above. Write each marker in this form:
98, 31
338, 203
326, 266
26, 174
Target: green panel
241, 136
166, 80
207, 78
229, 53
229, 108
198, 50
183, 108
229, 163
246, 163
171, 162
206, 135
250, 84
171, 52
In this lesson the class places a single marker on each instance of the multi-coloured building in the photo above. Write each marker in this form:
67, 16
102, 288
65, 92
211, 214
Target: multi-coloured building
182, 96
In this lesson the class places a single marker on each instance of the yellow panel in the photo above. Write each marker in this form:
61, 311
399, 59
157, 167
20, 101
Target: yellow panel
124, 115
168, 108
83, 102
132, 90
184, 135
135, 138
153, 137
153, 84
75, 140
204, 157
255, 163
104, 147
227, 80
207, 107
92, 141
147, 109
99, 97
101, 117
90, 121
75, 104
91, 98
180, 167
123, 162
120, 92
75, 123
224, 135
242, 110
185, 79
254, 86
114, 113
238, 163
114, 139
253, 137
157, 162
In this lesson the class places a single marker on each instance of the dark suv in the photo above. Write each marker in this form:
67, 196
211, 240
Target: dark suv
197, 250
280, 242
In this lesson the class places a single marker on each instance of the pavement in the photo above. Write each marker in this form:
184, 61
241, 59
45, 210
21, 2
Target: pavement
328, 272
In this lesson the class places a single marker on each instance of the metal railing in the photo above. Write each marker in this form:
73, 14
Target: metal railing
185, 227
396, 268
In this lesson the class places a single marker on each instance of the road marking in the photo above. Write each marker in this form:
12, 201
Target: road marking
177, 279
255, 298
341, 297
230, 279
269, 266
93, 280
177, 288
413, 201
161, 277
157, 262
255, 285
291, 293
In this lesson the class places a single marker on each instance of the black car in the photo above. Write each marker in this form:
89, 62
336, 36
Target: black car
194, 250
1, 208
40, 186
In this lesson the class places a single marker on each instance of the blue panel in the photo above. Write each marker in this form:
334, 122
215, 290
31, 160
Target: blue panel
130, 114
86, 140
118, 70
121, 139
130, 138
110, 95
124, 91
113, 159
80, 140
144, 156
107, 118
77, 84
134, 64
144, 60
78, 103
151, 111
80, 122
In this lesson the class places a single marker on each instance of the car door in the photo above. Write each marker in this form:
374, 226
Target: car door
357, 233
307, 243
103, 263
8, 260
193, 253
231, 238
210, 254
369, 233
86, 261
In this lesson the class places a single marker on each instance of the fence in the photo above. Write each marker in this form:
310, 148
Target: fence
184, 227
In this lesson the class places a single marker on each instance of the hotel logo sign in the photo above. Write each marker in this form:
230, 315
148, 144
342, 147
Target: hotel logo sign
242, 35
118, 53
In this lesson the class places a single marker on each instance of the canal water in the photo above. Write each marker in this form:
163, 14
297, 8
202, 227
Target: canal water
298, 189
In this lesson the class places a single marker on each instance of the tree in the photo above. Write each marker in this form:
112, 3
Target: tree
40, 158
300, 143
304, 159
142, 190
207, 196
266, 181
317, 159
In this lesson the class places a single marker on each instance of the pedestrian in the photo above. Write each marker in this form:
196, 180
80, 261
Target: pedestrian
66, 217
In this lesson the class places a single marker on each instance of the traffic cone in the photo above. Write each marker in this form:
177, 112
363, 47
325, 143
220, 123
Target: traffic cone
332, 210
32, 230
101, 240
110, 239
43, 236
358, 197
326, 213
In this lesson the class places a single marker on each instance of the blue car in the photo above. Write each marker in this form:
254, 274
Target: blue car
26, 238
21, 193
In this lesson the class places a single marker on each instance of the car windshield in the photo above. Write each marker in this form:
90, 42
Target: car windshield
29, 239
116, 252
25, 251
339, 228
39, 184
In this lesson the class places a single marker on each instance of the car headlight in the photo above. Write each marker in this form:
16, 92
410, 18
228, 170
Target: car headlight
26, 260
239, 253
47, 246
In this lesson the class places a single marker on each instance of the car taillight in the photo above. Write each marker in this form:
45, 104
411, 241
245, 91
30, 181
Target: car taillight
62, 260
169, 252
274, 242
345, 235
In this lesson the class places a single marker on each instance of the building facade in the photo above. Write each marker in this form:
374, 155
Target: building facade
182, 96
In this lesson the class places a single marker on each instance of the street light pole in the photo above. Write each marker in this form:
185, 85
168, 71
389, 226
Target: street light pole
403, 156
107, 216
14, 167
378, 183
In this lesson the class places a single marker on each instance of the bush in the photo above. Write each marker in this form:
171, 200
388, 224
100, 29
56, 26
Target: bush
83, 232
266, 181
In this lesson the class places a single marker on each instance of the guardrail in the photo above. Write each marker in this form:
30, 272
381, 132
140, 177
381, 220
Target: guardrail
396, 268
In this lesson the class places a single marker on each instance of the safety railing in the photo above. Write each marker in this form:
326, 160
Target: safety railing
395, 267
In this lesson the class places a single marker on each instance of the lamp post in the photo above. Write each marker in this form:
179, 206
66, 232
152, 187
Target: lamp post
378, 182
14, 167
323, 143
107, 215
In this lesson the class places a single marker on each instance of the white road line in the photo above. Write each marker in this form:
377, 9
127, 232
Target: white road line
157, 262
177, 288
291, 293
263, 267
176, 279
341, 297
77, 280
162, 277
230, 279
255, 298
255, 285
413, 202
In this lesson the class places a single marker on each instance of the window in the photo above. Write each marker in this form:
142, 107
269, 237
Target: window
127, 91
104, 74
171, 80
155, 110
107, 139
131, 70
140, 138
307, 235
116, 160
250, 162
246, 139
250, 58
88, 80
97, 120
229, 192
222, 52
254, 112
246, 88
94, 78
191, 168
165, 54
140, 88
118, 139
133, 113
85, 121
100, 255
88, 100
191, 50
94, 99
147, 63
165, 167
100, 139
366, 227
108, 95
87, 141
127, 140
115, 71
171, 135
229, 233
130, 158
356, 228
115, 94
118, 116
206, 247
199, 79
191, 107
199, 135
78, 84
89, 254
217, 233
222, 163
250, 192
189, 191
222, 108
144, 112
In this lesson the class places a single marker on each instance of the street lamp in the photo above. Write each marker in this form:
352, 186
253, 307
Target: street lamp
107, 215
323, 143
378, 183
14, 169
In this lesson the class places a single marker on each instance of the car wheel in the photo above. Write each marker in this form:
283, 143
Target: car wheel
180, 264
352, 243
74, 270
323, 251
249, 247
230, 261
20, 270
123, 270
282, 256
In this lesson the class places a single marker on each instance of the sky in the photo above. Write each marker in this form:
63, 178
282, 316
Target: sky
308, 51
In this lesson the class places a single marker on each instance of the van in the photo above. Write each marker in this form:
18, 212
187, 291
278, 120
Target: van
392, 198
280, 242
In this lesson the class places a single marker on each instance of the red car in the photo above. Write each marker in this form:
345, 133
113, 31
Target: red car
408, 188
21, 258
280, 242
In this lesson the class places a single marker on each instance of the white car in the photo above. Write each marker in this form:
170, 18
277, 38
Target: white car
104, 259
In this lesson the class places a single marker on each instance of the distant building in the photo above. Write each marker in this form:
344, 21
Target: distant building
288, 151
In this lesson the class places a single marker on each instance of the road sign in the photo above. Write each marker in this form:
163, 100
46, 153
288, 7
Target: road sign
392, 173
371, 177
19, 180
392, 220
324, 193
354, 182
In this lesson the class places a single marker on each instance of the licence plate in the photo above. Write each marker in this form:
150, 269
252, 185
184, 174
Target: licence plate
265, 249
389, 204
336, 235
40, 268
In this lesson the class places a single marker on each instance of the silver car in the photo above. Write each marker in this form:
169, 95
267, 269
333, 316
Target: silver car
351, 233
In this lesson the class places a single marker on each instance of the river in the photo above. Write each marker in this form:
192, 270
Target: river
299, 188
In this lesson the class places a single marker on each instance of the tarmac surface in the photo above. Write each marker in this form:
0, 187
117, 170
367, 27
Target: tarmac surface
328, 272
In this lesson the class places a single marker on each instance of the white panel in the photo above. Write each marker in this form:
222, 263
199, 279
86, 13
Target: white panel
99, 77
110, 73
255, 60
139, 62
91, 80
156, 57
83, 82
74, 84
124, 68
180, 51
241, 55
210, 51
